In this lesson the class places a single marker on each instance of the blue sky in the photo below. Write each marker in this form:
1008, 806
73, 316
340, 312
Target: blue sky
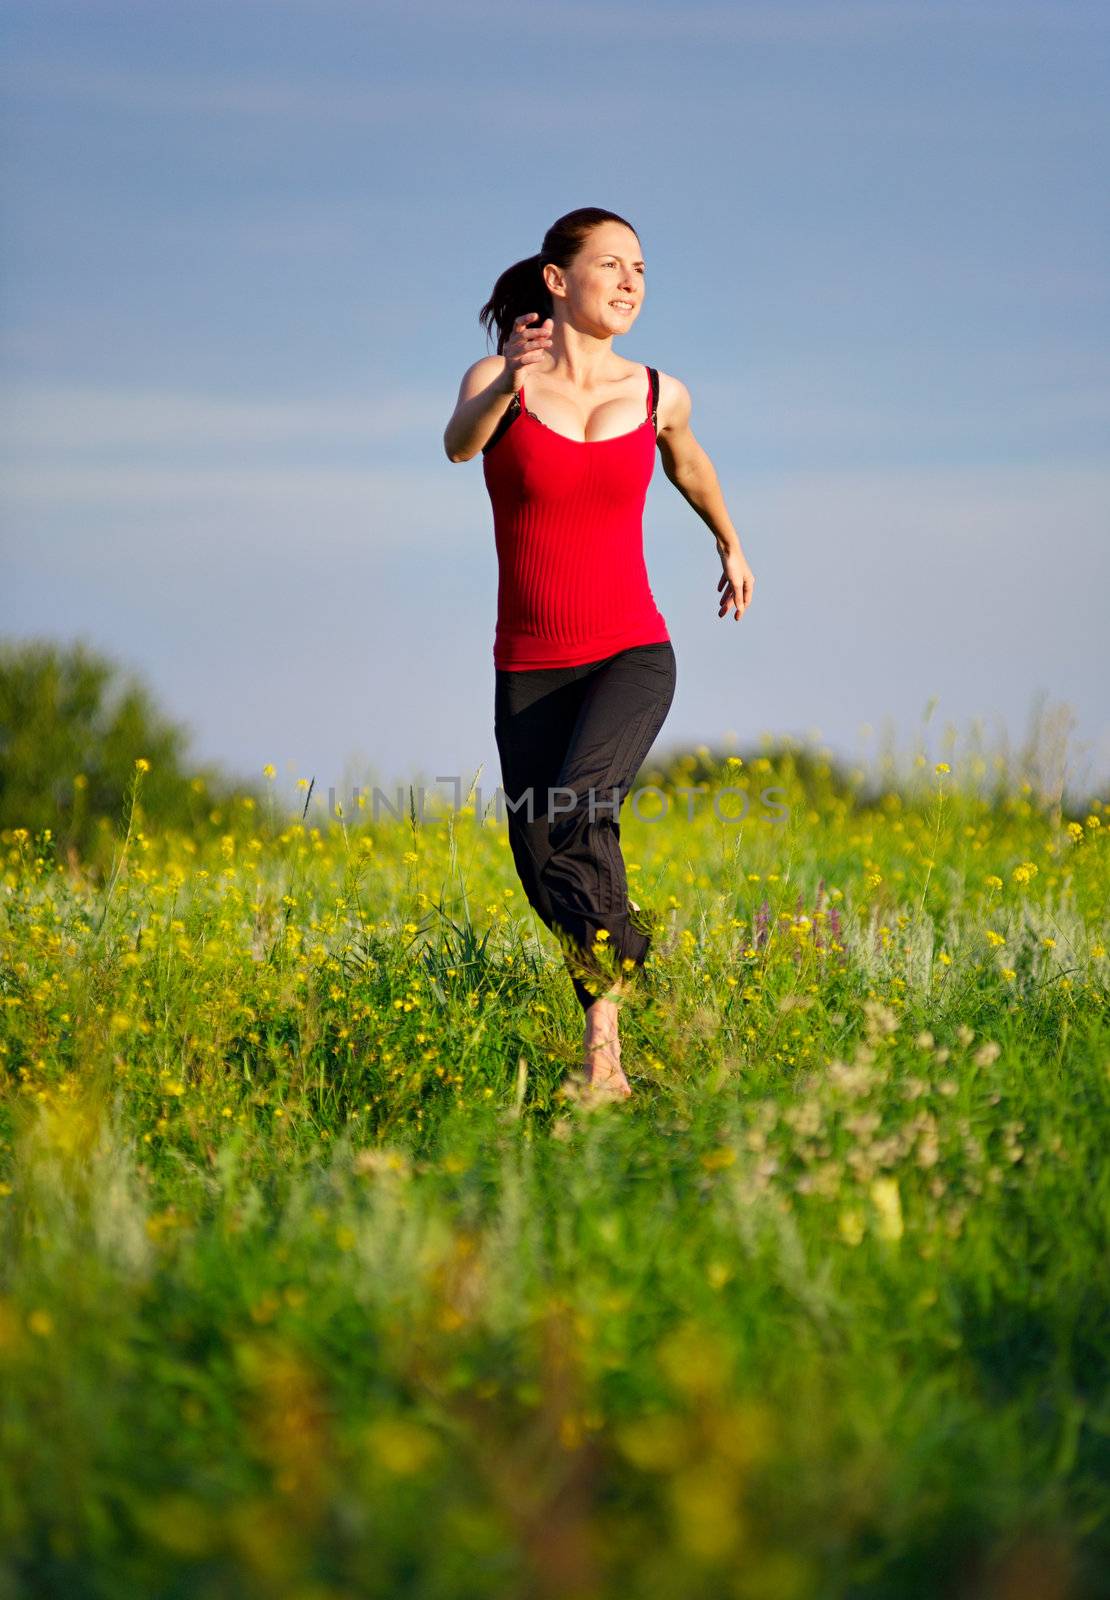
246, 244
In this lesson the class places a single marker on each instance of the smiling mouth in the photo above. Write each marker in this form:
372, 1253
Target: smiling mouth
622, 305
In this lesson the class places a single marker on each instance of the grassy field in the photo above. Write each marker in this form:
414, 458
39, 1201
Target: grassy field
313, 1287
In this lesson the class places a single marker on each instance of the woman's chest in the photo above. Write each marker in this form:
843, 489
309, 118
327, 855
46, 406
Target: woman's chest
533, 470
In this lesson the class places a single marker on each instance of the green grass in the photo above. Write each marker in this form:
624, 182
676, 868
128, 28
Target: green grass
314, 1288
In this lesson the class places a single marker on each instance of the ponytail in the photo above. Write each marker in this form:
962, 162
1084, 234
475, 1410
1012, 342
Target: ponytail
521, 288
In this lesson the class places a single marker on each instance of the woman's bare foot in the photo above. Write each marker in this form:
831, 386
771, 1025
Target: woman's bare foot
601, 1048
600, 1077
588, 1092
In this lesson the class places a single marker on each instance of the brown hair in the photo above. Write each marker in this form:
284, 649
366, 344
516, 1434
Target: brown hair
521, 288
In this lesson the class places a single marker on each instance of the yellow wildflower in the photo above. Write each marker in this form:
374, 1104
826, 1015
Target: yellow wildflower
888, 1204
850, 1226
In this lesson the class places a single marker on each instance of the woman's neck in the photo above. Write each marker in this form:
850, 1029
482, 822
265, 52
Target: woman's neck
579, 360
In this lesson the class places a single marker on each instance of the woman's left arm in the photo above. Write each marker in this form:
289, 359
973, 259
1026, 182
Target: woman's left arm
691, 471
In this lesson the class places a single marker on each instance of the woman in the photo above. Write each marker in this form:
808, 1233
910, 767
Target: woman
584, 665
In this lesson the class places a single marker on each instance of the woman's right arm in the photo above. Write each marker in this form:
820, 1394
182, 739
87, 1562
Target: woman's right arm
483, 396
489, 385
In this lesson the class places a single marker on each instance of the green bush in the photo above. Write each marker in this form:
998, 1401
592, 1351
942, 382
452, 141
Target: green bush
72, 725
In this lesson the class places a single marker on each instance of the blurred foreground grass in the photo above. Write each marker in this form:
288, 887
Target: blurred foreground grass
313, 1288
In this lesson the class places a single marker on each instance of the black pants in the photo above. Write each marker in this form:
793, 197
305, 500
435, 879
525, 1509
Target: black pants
576, 737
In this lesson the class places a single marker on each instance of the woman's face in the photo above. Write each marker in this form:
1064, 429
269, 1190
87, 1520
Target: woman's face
603, 288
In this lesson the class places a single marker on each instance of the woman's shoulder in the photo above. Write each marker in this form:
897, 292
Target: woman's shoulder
479, 375
674, 400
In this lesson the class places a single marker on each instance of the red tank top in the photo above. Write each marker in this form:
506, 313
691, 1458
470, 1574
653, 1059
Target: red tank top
568, 524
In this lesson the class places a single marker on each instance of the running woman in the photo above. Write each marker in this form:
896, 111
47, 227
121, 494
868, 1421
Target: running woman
585, 669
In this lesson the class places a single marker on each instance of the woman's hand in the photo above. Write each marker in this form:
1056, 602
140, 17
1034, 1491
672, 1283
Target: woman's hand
737, 581
526, 345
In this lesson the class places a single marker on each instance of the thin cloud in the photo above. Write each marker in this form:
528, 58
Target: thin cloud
793, 21
319, 100
336, 508
814, 412
76, 419
744, 107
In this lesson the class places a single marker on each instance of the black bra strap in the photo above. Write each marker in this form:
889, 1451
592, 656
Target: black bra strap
654, 398
509, 416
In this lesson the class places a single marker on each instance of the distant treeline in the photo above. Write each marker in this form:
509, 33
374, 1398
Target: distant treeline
74, 723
